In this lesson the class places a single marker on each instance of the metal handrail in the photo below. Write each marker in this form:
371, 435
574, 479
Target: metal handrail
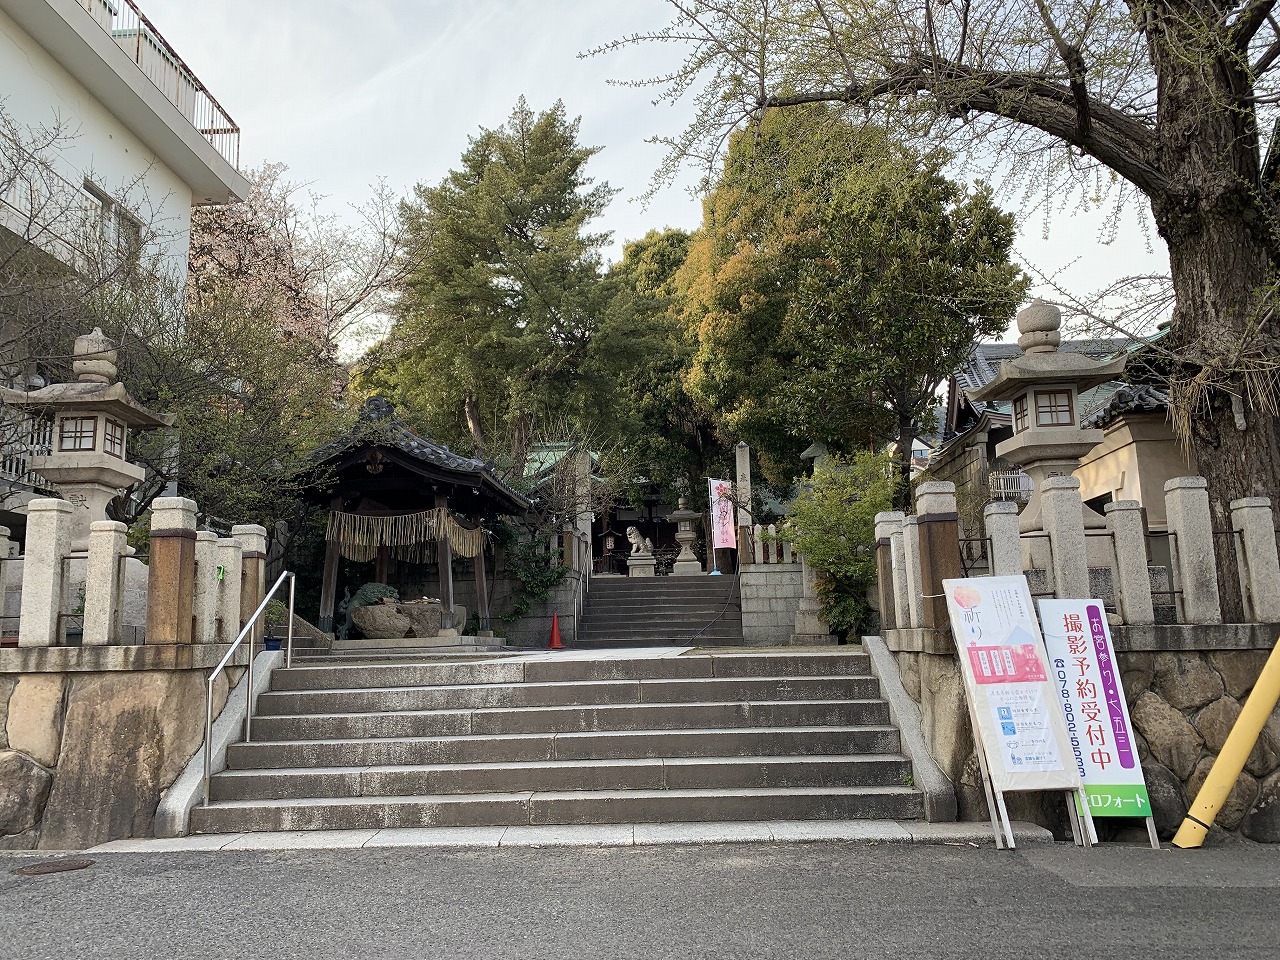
247, 631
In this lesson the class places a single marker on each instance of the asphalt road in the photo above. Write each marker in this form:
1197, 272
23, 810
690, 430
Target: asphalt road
737, 901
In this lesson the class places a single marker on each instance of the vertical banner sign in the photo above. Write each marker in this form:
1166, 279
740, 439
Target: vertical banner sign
723, 532
1091, 699
1015, 709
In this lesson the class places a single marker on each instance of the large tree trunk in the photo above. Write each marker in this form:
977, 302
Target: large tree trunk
475, 424
1221, 255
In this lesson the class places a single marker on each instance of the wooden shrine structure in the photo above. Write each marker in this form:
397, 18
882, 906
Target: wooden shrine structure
392, 494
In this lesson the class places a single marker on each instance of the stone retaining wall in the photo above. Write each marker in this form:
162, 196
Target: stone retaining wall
1183, 702
91, 737
771, 594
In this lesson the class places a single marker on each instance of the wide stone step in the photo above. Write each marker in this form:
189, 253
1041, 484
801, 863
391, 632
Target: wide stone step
562, 775
582, 693
522, 669
661, 630
572, 719
560, 807
732, 742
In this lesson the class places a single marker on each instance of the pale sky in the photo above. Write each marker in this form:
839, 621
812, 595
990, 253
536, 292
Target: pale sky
346, 91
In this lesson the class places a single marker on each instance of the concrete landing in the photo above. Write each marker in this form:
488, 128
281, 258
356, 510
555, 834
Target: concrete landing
595, 835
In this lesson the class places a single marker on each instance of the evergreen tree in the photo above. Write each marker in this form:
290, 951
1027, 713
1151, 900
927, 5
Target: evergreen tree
495, 318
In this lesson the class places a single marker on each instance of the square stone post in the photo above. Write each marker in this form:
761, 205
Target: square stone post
1062, 515
8, 551
253, 571
1000, 519
1186, 504
939, 525
1254, 525
887, 523
104, 582
205, 604
911, 568
171, 570
1130, 575
230, 566
48, 541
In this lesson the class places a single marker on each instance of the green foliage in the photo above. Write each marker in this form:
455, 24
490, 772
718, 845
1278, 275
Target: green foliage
838, 278
532, 562
496, 319
832, 523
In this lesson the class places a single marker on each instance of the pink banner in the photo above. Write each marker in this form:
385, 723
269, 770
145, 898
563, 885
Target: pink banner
723, 533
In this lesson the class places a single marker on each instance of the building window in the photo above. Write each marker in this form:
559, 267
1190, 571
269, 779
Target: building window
1020, 413
113, 438
112, 222
1053, 409
77, 433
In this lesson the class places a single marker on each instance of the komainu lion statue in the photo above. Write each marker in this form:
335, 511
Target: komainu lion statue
641, 546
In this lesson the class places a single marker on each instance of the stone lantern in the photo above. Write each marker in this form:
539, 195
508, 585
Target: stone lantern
686, 564
1044, 387
88, 459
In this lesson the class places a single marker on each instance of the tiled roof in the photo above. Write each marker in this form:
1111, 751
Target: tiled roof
379, 426
1124, 398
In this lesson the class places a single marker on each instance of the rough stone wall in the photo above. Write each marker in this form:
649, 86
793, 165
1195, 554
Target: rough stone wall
1183, 705
84, 756
771, 594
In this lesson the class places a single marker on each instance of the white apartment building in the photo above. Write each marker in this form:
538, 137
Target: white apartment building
144, 141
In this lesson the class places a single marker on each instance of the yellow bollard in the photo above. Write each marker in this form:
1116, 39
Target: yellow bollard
1225, 770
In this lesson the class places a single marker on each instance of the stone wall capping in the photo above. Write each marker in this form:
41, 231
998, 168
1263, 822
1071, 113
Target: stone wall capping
1187, 637
1186, 483
106, 659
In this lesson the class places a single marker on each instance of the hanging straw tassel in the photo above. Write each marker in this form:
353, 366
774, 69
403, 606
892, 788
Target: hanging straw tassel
360, 535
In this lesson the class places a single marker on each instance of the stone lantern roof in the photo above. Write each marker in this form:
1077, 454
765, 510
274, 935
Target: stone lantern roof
93, 391
1042, 362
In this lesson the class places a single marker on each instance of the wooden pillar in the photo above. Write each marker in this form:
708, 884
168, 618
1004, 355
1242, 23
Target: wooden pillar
382, 565
329, 585
444, 557
171, 570
482, 590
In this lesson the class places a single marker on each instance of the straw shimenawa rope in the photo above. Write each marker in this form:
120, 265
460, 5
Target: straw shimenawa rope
411, 536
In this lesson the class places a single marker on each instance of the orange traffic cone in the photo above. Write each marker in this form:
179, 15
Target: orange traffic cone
555, 644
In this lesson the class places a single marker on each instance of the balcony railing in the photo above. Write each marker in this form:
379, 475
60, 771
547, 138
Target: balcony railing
22, 436
138, 37
1009, 485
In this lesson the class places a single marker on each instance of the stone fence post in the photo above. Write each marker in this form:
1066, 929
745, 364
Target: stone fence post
230, 565
48, 542
1131, 577
1062, 514
911, 568
1001, 522
171, 570
939, 525
887, 523
1195, 569
205, 603
253, 568
104, 582
1254, 525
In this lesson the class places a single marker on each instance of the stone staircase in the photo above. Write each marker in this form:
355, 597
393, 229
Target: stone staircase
563, 739
653, 611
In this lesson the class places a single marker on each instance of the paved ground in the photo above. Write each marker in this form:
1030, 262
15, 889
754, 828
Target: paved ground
819, 900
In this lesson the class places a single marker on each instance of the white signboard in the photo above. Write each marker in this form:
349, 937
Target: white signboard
1091, 700
1006, 676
